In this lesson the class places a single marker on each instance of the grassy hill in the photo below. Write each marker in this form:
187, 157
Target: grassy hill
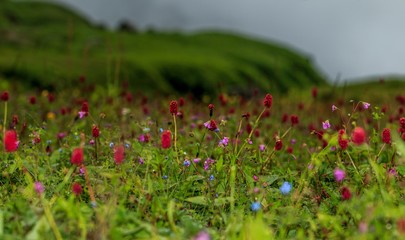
46, 45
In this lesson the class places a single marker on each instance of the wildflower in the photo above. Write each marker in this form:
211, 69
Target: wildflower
127, 145
363, 227
268, 101
196, 160
92, 142
10, 141
173, 107
314, 92
95, 131
111, 144
294, 120
255, 178
39, 187
166, 137
85, 110
165, 177
339, 174
119, 154
202, 236
51, 97
211, 125
279, 145
358, 136
343, 142
401, 225
393, 172
334, 108
211, 108
386, 136
262, 147
293, 141
181, 101
345, 193
402, 122
224, 142
255, 206
366, 105
208, 163
32, 100
211, 177
285, 188
77, 156
77, 189
141, 161
4, 96
186, 163
326, 125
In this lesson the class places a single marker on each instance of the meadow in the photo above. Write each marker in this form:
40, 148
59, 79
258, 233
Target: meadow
165, 135
80, 164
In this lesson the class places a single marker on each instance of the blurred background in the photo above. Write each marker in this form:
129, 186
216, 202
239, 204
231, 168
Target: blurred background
203, 46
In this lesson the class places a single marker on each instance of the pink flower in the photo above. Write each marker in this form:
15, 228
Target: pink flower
326, 125
366, 105
334, 108
339, 174
39, 187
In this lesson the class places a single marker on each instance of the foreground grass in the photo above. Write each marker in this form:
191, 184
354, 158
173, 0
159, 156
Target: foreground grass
133, 185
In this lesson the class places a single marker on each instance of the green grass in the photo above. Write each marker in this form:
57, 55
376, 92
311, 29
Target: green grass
49, 46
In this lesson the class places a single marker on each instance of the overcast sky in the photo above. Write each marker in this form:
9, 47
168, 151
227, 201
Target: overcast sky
353, 38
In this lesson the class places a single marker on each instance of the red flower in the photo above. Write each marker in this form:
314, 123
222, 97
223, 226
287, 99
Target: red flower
10, 141
268, 101
343, 142
77, 189
33, 100
314, 92
119, 154
358, 135
386, 136
294, 120
95, 131
51, 97
345, 193
181, 101
4, 96
77, 156
401, 225
402, 123
85, 107
211, 108
173, 107
279, 145
166, 137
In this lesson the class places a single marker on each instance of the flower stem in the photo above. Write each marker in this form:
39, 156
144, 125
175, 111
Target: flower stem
175, 139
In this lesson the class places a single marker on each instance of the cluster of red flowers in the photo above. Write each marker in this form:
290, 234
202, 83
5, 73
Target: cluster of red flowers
343, 142
358, 136
386, 136
166, 138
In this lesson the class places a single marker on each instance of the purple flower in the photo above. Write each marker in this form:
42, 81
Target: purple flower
82, 114
224, 142
202, 236
186, 163
326, 125
262, 147
196, 160
255, 178
339, 174
141, 161
141, 138
39, 187
334, 108
208, 163
392, 172
92, 142
366, 105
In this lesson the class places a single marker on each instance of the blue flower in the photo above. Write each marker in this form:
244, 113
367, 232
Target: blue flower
186, 163
211, 177
285, 188
255, 206
111, 144
164, 177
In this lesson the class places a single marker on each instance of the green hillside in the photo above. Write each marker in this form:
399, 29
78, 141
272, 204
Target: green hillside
49, 46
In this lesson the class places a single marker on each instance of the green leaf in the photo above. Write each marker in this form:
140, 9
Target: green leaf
200, 200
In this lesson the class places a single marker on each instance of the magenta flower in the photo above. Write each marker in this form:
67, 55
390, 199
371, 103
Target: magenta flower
339, 174
366, 105
39, 187
262, 147
334, 108
326, 125
224, 142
